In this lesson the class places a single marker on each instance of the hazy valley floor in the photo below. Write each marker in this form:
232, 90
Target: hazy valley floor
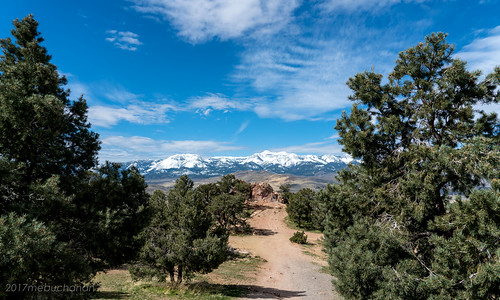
292, 271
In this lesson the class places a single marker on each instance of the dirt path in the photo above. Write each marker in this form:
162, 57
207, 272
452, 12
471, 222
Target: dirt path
292, 271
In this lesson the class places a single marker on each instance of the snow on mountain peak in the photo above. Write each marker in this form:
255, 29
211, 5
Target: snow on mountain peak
274, 158
178, 161
279, 162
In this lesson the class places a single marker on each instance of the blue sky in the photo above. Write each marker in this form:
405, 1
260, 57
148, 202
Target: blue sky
227, 77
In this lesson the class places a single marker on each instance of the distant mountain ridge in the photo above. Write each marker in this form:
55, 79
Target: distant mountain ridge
197, 166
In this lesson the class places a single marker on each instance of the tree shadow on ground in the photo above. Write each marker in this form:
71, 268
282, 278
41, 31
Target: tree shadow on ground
246, 291
258, 292
111, 295
206, 289
263, 231
257, 207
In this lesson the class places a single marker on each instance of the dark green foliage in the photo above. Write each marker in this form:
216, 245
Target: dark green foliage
227, 210
182, 237
10, 181
285, 193
35, 222
114, 206
229, 184
299, 237
80, 221
32, 255
39, 125
299, 207
392, 229
305, 210
225, 200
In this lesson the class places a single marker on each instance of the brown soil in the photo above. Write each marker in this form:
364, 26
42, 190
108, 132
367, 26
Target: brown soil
292, 271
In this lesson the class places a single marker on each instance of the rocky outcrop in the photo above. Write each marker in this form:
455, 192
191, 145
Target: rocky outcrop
263, 192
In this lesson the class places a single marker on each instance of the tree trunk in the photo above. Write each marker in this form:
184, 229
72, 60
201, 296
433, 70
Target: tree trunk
172, 276
179, 274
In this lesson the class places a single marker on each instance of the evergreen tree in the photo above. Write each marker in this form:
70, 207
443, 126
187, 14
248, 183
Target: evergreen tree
225, 201
78, 220
181, 238
393, 230
39, 125
285, 193
114, 206
32, 255
227, 211
229, 184
300, 208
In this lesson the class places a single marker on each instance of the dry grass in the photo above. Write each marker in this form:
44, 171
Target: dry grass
226, 282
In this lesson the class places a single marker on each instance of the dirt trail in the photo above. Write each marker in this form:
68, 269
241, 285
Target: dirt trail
289, 273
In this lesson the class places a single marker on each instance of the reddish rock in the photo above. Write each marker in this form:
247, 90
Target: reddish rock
264, 192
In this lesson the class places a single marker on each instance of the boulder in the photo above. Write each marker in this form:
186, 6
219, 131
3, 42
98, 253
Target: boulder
263, 192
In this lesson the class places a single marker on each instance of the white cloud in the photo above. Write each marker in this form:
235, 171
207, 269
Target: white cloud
357, 5
202, 20
294, 71
483, 53
93, 92
139, 113
117, 93
242, 127
302, 79
210, 102
125, 40
109, 104
120, 148
78, 89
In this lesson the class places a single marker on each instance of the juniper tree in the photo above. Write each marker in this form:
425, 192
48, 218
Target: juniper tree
395, 228
180, 238
229, 184
225, 201
284, 191
300, 207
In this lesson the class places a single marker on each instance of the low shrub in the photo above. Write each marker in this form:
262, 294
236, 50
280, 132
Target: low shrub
299, 237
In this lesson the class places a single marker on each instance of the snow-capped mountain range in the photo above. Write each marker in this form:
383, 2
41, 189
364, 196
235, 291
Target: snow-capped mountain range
277, 162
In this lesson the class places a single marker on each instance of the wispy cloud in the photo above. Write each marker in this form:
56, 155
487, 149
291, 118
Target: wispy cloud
80, 89
110, 104
483, 53
117, 93
206, 104
242, 127
304, 78
125, 40
139, 113
202, 20
363, 5
96, 92
127, 106
120, 148
294, 69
